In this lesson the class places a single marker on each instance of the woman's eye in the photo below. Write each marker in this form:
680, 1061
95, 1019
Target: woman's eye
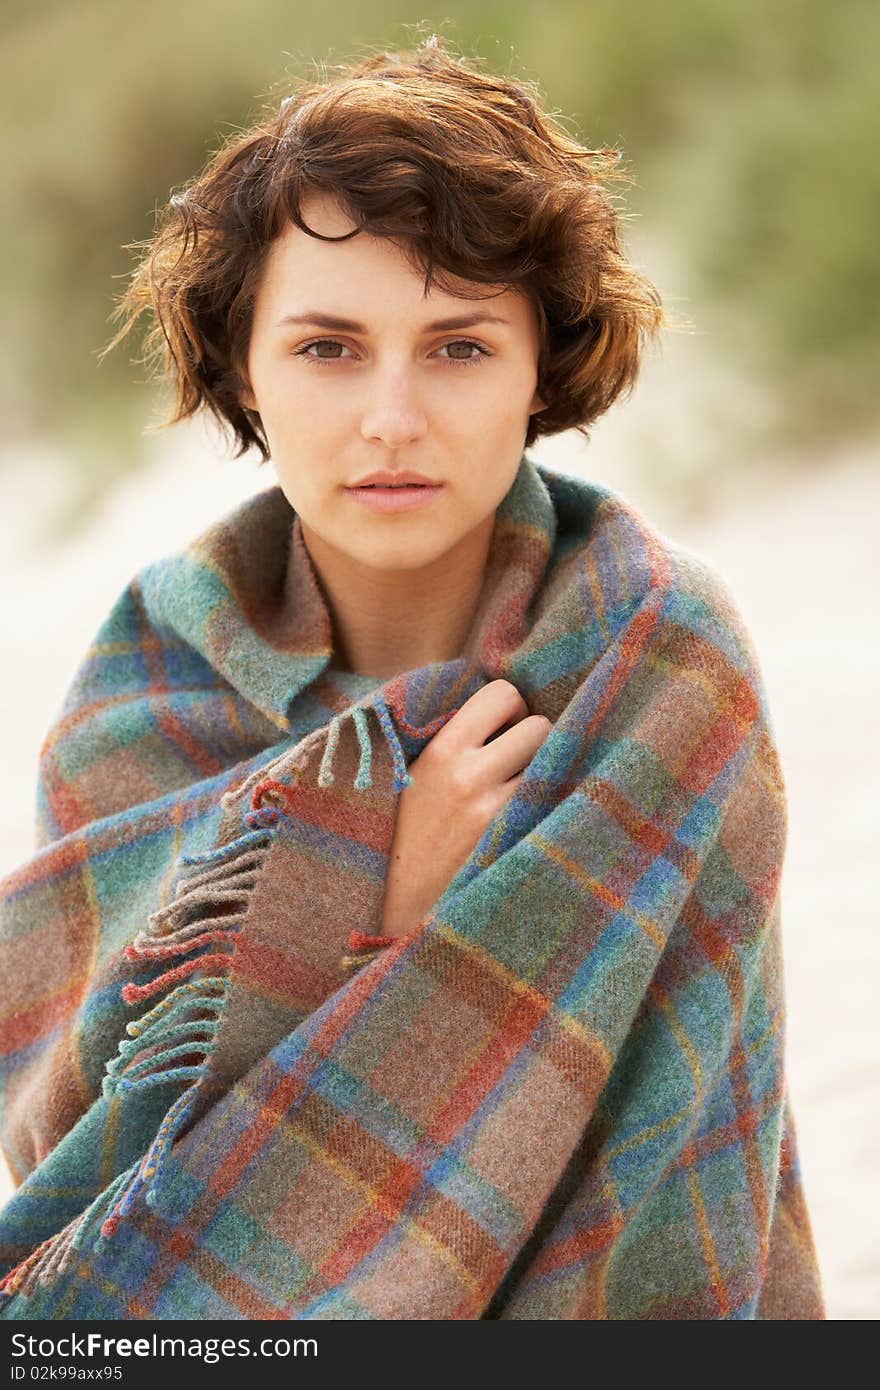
319, 342
471, 359
466, 343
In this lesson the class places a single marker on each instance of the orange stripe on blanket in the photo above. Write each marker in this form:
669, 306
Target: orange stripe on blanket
273, 973
350, 819
24, 1028
521, 1022
575, 1248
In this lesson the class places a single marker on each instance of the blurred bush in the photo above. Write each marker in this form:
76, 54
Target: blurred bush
749, 127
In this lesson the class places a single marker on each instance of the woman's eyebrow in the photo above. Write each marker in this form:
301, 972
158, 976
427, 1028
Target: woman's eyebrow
351, 326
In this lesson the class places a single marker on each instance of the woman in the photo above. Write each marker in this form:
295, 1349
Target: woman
403, 938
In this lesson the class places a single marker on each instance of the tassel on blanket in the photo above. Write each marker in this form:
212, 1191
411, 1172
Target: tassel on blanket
50, 1259
207, 911
197, 931
358, 715
185, 1022
227, 882
364, 948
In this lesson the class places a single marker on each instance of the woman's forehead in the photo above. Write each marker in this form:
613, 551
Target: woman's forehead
362, 275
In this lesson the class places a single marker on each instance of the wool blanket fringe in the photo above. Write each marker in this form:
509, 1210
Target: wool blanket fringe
168, 1031
562, 1094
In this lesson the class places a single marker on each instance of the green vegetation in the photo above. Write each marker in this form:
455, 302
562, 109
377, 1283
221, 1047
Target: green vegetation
749, 128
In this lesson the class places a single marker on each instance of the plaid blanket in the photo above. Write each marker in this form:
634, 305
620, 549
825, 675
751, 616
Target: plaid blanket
561, 1095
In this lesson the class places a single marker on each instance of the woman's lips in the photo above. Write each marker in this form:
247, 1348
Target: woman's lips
394, 499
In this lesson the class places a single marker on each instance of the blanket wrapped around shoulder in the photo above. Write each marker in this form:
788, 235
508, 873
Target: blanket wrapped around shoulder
561, 1095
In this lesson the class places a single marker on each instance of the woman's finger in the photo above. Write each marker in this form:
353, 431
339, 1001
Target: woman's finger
482, 715
511, 751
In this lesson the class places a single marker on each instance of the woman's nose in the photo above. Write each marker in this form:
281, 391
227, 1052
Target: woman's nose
394, 412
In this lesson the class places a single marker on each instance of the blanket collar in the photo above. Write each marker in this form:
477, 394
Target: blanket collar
246, 596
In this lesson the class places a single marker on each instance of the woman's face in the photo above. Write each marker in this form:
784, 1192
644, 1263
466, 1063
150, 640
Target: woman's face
391, 391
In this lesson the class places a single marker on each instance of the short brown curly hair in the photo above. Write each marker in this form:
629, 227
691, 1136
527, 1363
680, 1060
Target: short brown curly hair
462, 168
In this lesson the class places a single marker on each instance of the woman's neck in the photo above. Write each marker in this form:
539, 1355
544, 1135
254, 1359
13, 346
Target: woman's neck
385, 622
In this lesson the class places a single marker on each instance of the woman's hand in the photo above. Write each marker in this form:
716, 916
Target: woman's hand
460, 782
